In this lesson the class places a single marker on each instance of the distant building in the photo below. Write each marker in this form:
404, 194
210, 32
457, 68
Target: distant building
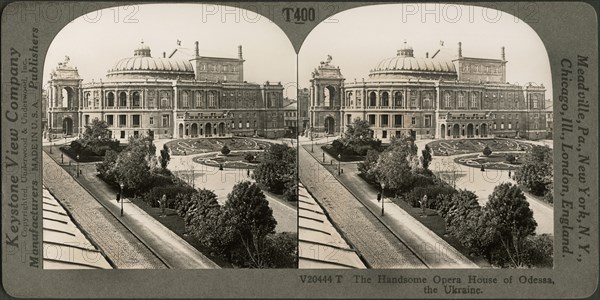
303, 105
290, 117
167, 97
429, 98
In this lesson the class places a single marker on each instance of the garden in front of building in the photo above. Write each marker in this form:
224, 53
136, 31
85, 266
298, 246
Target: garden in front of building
502, 231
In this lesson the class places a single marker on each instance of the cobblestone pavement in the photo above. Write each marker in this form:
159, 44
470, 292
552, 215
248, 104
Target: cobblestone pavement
119, 245
379, 247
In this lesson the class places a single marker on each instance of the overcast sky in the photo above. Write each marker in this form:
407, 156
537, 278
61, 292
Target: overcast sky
359, 38
96, 41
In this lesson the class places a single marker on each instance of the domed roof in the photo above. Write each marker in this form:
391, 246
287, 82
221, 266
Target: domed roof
405, 63
142, 64
414, 64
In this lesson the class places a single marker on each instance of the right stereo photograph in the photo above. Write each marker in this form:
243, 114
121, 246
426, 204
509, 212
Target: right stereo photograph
426, 141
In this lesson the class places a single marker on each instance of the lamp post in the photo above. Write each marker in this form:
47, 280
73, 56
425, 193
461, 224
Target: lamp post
77, 165
123, 198
382, 197
339, 164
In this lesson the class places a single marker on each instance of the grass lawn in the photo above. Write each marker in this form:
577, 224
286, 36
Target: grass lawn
437, 224
232, 160
496, 161
176, 224
204, 145
333, 152
464, 146
82, 156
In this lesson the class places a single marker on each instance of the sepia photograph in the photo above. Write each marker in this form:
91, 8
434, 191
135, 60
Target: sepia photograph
169, 141
426, 142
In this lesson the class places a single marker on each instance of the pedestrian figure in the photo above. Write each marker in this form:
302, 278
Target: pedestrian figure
163, 203
184, 153
423, 203
118, 197
509, 173
378, 196
62, 158
248, 172
323, 156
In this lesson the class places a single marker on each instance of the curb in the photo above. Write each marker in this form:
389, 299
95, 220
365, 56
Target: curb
116, 217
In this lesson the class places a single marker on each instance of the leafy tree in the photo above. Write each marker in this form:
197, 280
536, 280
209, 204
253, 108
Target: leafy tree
281, 250
249, 219
97, 130
96, 138
464, 221
426, 158
277, 169
536, 173
106, 167
539, 251
405, 144
203, 219
508, 213
165, 157
393, 169
487, 151
367, 166
225, 150
357, 133
131, 168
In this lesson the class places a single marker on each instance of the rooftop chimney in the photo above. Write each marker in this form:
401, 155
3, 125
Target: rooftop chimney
240, 52
426, 54
459, 49
196, 49
164, 54
503, 54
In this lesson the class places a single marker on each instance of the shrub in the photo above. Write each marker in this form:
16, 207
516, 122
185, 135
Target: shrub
510, 159
433, 192
249, 157
225, 150
171, 191
487, 151
281, 250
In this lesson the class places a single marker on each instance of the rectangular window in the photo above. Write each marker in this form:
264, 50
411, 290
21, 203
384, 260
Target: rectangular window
384, 120
135, 120
165, 120
122, 134
413, 121
428, 121
136, 133
110, 120
371, 119
151, 121
87, 119
398, 121
384, 134
122, 120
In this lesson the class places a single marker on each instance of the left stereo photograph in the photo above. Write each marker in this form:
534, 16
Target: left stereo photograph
169, 141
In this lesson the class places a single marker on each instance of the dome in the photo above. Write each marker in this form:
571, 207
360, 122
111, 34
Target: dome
405, 65
142, 65
408, 63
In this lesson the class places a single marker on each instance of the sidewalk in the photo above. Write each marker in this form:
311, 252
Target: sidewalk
123, 248
431, 248
171, 248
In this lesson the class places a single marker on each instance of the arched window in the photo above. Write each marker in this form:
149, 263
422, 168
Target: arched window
185, 100
398, 99
474, 100
110, 99
350, 99
385, 99
534, 101
461, 99
372, 99
122, 99
136, 99
199, 103
447, 100
88, 101
427, 100
211, 100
